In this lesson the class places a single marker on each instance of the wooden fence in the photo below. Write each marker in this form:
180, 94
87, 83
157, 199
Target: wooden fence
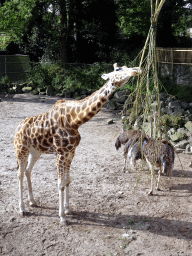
174, 56
177, 63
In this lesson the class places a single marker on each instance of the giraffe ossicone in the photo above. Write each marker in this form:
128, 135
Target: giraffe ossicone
121, 73
56, 131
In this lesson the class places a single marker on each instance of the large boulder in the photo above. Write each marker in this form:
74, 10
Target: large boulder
163, 96
184, 105
188, 125
182, 144
120, 96
178, 111
174, 104
178, 136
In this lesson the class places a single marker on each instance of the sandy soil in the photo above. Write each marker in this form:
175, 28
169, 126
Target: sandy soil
108, 216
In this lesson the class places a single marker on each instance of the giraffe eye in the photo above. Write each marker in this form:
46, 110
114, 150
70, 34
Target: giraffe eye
118, 69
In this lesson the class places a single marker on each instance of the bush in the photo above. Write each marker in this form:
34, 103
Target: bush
67, 78
181, 92
5, 84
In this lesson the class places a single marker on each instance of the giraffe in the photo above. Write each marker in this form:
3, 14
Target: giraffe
56, 131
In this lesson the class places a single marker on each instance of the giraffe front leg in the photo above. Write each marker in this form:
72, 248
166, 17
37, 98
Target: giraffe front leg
61, 200
66, 200
63, 165
22, 167
30, 191
21, 203
68, 160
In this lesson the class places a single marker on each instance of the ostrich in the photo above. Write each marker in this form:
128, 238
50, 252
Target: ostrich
190, 144
157, 153
130, 140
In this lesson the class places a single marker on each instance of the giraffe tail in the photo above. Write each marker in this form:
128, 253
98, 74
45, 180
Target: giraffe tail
118, 143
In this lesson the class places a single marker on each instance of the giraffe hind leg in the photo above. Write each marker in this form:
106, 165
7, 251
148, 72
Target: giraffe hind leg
63, 168
22, 162
33, 157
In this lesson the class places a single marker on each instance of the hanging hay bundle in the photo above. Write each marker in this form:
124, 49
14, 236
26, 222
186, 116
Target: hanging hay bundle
143, 107
145, 100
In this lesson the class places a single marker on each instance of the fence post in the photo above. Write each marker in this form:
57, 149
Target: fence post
5, 65
171, 62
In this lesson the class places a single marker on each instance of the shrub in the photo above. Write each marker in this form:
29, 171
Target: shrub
67, 78
5, 84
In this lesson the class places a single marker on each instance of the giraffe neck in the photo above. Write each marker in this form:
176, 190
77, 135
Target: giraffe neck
80, 112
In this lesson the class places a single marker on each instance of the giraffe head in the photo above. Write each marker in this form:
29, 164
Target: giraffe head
121, 75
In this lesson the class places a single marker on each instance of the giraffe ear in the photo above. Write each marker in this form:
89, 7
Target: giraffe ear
105, 76
115, 66
111, 74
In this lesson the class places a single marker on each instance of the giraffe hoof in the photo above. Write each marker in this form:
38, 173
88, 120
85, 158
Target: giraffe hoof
22, 213
150, 193
125, 170
158, 189
33, 204
68, 211
63, 221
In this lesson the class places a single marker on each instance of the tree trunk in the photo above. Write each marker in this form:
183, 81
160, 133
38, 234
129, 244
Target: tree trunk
63, 35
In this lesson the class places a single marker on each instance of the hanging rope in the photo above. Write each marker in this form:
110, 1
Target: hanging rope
145, 100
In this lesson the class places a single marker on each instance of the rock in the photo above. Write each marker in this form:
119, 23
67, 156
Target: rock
163, 96
188, 149
171, 131
188, 125
110, 121
178, 136
35, 92
190, 110
182, 130
170, 99
184, 105
42, 93
174, 104
27, 89
128, 238
111, 103
162, 104
120, 96
146, 128
179, 150
182, 144
189, 117
123, 118
178, 111
169, 111
154, 106
126, 235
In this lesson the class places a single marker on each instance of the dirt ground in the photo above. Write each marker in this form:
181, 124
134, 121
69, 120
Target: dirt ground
108, 216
